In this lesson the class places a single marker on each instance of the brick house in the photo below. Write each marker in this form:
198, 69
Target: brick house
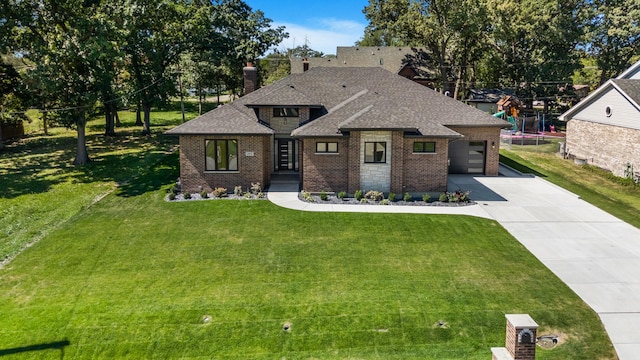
339, 129
604, 128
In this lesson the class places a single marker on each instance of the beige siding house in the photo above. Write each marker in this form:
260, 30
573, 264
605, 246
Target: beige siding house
339, 129
604, 128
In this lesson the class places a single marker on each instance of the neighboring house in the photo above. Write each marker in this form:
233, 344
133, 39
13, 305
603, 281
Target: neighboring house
409, 62
487, 99
604, 128
339, 129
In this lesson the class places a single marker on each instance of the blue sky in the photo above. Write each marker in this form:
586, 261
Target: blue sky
325, 24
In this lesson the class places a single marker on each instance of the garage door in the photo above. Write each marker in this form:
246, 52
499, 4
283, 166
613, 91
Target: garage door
467, 157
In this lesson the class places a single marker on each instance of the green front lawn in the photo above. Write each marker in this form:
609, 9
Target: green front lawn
137, 277
120, 273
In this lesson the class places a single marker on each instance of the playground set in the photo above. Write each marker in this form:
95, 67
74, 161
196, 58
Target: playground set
525, 129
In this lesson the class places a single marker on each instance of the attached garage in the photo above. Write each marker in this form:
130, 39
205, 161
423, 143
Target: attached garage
467, 157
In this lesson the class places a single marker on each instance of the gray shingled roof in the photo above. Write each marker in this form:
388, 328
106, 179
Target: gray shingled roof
285, 96
232, 118
354, 98
631, 87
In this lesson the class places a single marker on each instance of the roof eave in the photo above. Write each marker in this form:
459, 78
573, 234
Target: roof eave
379, 129
218, 134
313, 106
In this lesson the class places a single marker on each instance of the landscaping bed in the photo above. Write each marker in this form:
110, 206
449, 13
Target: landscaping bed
456, 198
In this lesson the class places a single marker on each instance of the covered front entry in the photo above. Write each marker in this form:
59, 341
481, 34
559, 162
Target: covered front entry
467, 157
286, 155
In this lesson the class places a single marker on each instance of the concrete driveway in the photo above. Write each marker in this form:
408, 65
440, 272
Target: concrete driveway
597, 255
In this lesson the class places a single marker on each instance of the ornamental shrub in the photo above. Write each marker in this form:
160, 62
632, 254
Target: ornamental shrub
374, 195
342, 195
406, 197
391, 196
324, 196
307, 196
203, 194
443, 197
426, 197
358, 195
220, 192
187, 195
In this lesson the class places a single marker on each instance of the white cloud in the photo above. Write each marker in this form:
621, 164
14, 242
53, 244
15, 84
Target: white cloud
322, 35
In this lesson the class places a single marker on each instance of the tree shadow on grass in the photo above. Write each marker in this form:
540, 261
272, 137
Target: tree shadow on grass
36, 165
520, 167
162, 173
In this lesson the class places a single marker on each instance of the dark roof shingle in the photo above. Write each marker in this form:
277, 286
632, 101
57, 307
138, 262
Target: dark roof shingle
354, 99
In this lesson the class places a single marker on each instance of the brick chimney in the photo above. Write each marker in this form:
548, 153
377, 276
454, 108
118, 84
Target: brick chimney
521, 339
250, 78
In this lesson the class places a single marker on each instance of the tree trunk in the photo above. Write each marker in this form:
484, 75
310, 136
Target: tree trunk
44, 121
146, 127
82, 157
138, 117
115, 113
200, 103
109, 124
1, 142
457, 88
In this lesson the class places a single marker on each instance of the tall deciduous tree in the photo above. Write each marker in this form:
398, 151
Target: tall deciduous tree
536, 42
450, 30
526, 44
613, 35
69, 40
249, 34
386, 23
11, 104
157, 33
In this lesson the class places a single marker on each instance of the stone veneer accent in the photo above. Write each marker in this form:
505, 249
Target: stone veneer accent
250, 168
490, 135
605, 146
376, 176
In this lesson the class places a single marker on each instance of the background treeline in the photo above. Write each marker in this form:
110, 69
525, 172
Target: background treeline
536, 47
74, 55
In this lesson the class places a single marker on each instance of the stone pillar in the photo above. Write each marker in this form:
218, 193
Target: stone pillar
521, 339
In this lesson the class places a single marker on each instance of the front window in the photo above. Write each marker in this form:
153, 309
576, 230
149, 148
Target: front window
285, 112
375, 152
326, 147
424, 147
222, 155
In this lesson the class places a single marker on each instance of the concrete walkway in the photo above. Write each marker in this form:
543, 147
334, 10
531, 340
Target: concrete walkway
596, 254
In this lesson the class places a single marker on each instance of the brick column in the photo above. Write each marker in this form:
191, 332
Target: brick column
397, 162
354, 162
520, 341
